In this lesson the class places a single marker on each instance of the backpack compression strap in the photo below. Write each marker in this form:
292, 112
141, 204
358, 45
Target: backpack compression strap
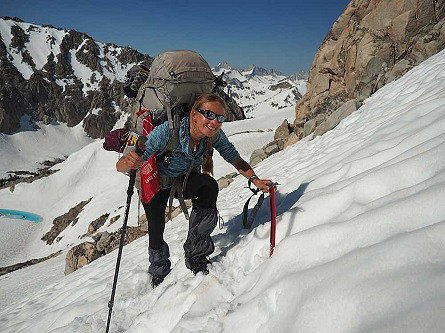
177, 189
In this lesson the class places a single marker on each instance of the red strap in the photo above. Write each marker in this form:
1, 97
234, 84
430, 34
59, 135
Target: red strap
141, 111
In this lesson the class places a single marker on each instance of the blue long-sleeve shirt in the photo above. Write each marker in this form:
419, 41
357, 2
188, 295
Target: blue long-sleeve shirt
184, 157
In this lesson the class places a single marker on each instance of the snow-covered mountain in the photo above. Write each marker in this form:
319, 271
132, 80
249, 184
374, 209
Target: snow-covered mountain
55, 75
256, 88
359, 235
29, 46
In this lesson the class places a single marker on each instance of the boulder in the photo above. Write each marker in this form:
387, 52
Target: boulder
225, 181
81, 255
292, 139
337, 116
312, 124
282, 133
257, 156
103, 243
271, 148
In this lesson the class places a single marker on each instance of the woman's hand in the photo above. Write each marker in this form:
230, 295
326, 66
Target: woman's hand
128, 162
133, 160
263, 184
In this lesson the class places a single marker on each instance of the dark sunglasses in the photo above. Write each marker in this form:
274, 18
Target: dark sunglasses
210, 115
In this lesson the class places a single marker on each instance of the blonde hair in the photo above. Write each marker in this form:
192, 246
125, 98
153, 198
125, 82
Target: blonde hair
205, 98
207, 165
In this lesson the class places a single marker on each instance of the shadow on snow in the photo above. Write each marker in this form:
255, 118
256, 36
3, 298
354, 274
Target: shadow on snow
235, 231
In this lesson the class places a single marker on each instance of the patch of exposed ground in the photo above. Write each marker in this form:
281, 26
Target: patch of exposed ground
12, 268
22, 176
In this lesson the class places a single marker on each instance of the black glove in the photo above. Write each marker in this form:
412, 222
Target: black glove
136, 76
138, 81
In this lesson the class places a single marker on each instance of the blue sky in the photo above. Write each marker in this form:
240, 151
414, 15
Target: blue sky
283, 35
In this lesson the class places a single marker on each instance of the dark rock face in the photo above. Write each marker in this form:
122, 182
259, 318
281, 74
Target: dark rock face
12, 268
63, 221
27, 176
129, 56
89, 54
18, 38
99, 125
372, 43
235, 111
54, 92
12, 102
97, 223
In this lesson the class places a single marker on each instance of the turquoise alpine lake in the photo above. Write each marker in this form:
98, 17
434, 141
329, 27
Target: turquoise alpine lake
18, 214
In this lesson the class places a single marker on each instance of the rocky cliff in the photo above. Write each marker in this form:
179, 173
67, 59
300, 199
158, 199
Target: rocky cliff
55, 75
371, 44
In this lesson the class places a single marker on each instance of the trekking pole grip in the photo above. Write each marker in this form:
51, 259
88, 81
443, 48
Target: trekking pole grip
140, 145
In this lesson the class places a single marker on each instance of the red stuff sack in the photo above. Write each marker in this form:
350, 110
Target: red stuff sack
149, 170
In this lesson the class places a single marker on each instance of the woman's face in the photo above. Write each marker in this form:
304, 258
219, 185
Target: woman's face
205, 127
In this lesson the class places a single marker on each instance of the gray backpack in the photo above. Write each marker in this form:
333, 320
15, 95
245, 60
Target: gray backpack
175, 80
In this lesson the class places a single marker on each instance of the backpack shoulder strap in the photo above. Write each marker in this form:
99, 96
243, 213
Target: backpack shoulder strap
173, 140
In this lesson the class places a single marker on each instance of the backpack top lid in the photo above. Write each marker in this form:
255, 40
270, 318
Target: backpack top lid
181, 65
176, 77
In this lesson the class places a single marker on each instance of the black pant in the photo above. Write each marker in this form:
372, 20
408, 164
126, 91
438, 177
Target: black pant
202, 188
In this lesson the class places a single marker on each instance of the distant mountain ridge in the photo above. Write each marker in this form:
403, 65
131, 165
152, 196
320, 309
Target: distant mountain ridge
254, 70
257, 87
58, 75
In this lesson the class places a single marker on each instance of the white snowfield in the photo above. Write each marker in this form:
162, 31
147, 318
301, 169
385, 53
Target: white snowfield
360, 237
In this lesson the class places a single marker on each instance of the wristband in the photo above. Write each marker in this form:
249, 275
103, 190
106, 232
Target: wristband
250, 181
252, 178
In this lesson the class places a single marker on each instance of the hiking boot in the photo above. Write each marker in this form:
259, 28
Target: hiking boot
159, 264
156, 280
198, 265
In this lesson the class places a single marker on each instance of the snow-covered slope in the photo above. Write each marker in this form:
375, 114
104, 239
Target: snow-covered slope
360, 236
88, 172
27, 149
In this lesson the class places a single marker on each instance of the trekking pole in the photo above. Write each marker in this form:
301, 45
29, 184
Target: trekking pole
123, 231
273, 216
